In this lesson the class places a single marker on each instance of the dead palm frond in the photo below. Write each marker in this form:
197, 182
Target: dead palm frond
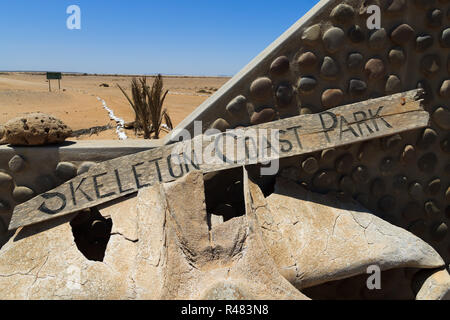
147, 104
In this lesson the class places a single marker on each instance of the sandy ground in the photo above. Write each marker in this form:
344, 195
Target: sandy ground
76, 103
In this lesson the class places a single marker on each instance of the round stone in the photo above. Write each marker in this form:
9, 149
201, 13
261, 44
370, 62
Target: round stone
329, 69
221, 124
324, 180
6, 181
357, 87
447, 194
428, 96
16, 164
305, 110
442, 118
402, 34
342, 14
284, 94
387, 166
333, 39
311, 34
22, 194
428, 162
344, 164
400, 183
307, 60
430, 64
265, 115
66, 170
237, 105
279, 66
397, 56
387, 204
445, 145
393, 85
445, 38
328, 155
375, 69
378, 39
99, 229
361, 175
4, 207
424, 42
434, 18
261, 89
415, 190
439, 232
409, 154
432, 210
356, 34
332, 98
307, 85
391, 141
396, 6
378, 187
427, 138
346, 185
84, 167
310, 165
355, 61
412, 211
434, 186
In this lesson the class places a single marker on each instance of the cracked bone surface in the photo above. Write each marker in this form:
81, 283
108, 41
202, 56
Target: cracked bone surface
160, 248
315, 238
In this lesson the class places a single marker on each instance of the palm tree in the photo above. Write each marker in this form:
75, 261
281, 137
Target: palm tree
147, 104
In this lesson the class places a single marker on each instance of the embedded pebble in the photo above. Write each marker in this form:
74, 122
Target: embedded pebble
345, 163
391, 141
6, 180
393, 85
311, 34
16, 164
415, 190
280, 66
434, 18
442, 118
4, 207
445, 145
346, 184
328, 155
310, 165
387, 203
397, 56
66, 170
447, 194
445, 38
357, 87
356, 34
430, 64
307, 84
284, 94
400, 183
375, 69
378, 39
402, 34
343, 14
22, 194
307, 60
412, 211
84, 167
324, 180
396, 6
99, 229
439, 232
237, 105
355, 61
424, 42
305, 110
387, 166
261, 89
432, 210
221, 124
332, 98
330, 68
427, 163
265, 115
361, 175
428, 137
409, 154
428, 96
333, 39
434, 187
378, 187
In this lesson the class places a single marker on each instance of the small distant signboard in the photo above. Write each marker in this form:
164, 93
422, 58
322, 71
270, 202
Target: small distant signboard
54, 76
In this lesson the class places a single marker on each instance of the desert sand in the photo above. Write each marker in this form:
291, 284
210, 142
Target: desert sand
77, 105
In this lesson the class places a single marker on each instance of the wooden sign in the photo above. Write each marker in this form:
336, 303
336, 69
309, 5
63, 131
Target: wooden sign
54, 76
284, 138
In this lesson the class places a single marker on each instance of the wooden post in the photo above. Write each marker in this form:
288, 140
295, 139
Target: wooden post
49, 86
59, 84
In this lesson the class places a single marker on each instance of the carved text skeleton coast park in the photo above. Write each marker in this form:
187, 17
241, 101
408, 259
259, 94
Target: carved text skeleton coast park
113, 179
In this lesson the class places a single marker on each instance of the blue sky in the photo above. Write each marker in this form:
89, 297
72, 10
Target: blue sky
196, 37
